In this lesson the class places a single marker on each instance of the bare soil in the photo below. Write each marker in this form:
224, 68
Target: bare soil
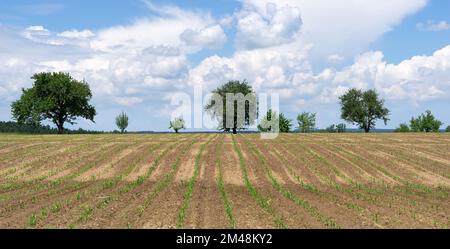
305, 181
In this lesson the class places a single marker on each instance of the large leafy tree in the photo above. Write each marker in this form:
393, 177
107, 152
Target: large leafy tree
234, 106
56, 97
306, 122
272, 117
363, 108
425, 123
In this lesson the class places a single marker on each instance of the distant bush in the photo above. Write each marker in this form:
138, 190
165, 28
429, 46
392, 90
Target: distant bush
331, 129
403, 128
273, 117
448, 129
14, 127
341, 128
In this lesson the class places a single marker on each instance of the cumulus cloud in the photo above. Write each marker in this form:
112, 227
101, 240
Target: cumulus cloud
418, 79
276, 26
121, 63
165, 28
433, 26
211, 37
332, 25
265, 68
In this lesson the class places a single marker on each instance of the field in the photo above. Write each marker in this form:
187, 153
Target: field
225, 181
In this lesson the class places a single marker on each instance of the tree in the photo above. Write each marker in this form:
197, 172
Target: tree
177, 124
54, 96
425, 123
447, 129
363, 108
122, 122
403, 128
416, 124
331, 129
284, 123
341, 128
306, 121
233, 105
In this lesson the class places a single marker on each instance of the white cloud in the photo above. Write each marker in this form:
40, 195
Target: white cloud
165, 29
123, 64
75, 34
280, 69
276, 26
335, 59
433, 26
128, 101
418, 79
227, 21
265, 68
39, 34
42, 35
37, 29
211, 37
346, 27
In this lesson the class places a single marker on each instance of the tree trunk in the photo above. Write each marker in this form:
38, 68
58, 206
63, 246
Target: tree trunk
60, 129
367, 130
235, 130
60, 124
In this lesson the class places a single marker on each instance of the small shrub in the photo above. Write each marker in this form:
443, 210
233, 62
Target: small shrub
331, 129
177, 124
122, 122
403, 128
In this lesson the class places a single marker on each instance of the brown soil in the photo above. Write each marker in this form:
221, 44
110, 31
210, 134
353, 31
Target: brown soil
356, 180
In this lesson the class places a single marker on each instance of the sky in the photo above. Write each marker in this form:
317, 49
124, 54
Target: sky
137, 54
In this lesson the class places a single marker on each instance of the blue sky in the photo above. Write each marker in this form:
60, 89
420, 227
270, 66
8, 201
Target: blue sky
137, 54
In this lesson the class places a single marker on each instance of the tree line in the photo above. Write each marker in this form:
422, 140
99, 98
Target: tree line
59, 98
